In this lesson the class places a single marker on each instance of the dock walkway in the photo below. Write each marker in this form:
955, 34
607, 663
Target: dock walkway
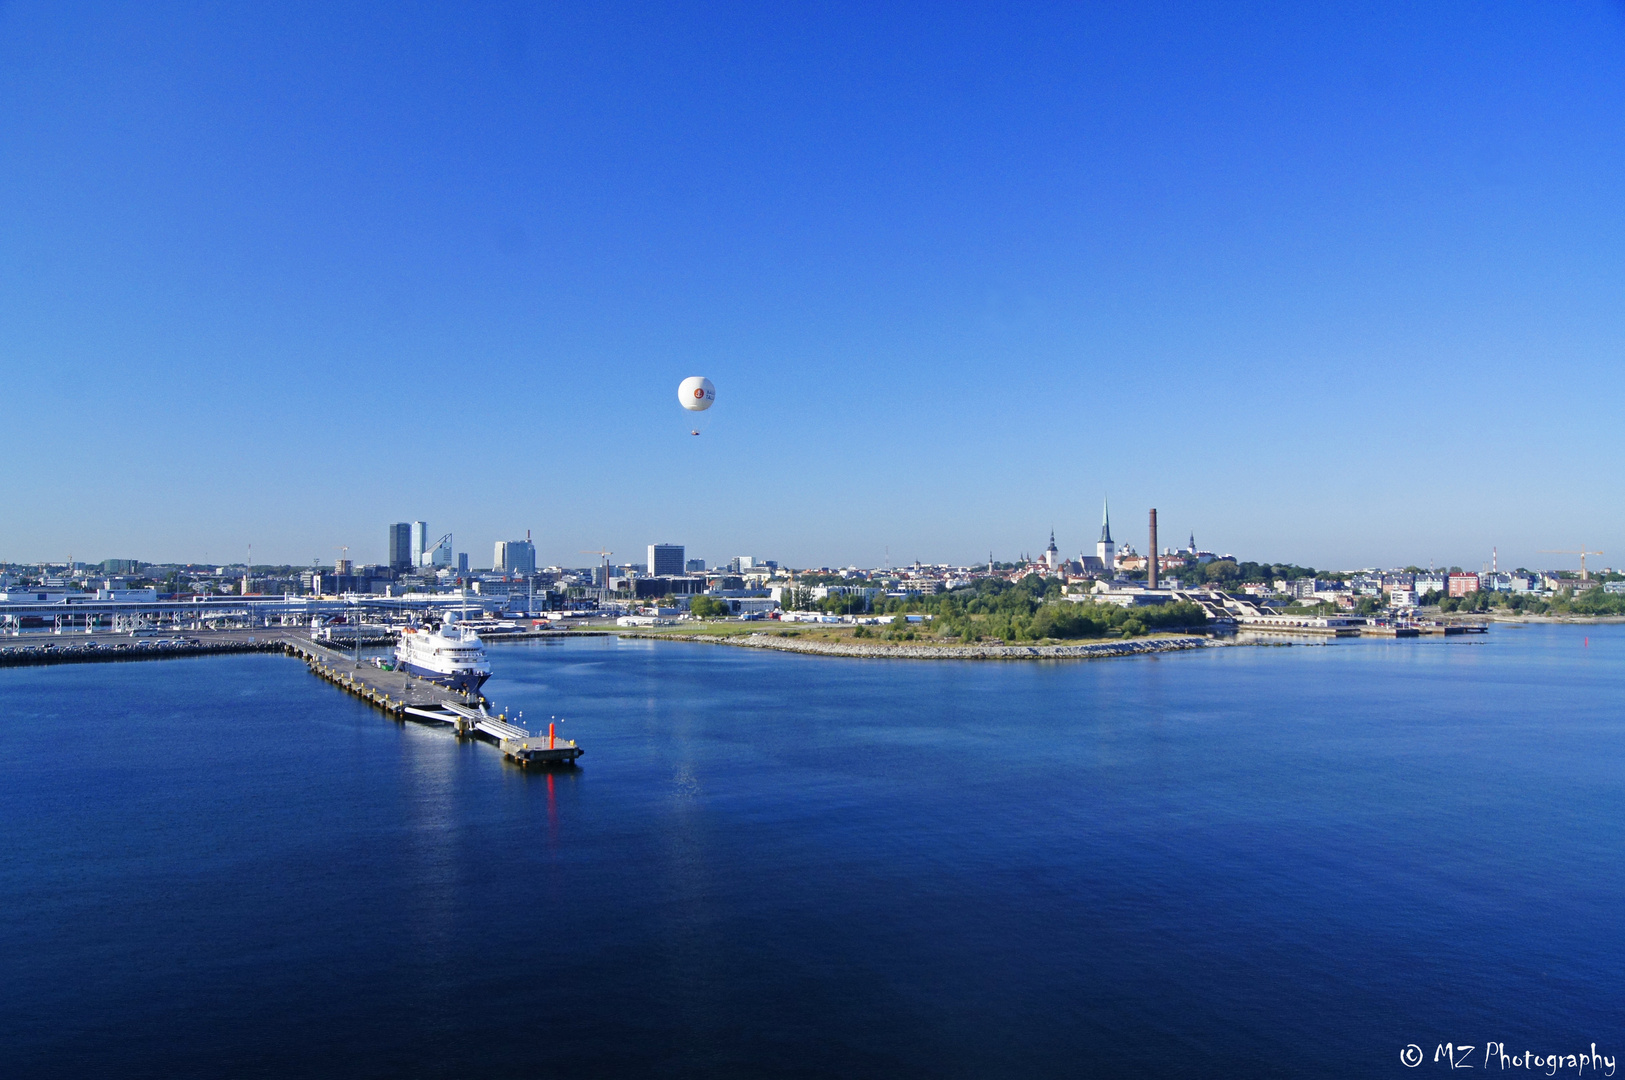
405, 696
392, 691
398, 694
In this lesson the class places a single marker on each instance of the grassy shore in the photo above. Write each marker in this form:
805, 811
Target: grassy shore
833, 640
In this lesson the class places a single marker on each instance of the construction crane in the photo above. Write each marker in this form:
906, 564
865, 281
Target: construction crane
603, 554
1582, 553
428, 552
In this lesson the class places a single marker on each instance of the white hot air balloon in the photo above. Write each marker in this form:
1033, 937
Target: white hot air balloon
696, 394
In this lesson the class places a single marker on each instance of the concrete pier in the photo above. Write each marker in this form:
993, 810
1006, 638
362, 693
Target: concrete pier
398, 694
408, 697
392, 691
516, 744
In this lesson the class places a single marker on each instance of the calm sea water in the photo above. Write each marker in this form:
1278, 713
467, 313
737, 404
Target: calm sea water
1249, 861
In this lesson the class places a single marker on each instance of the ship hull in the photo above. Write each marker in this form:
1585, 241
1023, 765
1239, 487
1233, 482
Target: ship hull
467, 682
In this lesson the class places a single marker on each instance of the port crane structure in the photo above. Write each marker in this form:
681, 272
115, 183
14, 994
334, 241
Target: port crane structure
1582, 553
604, 554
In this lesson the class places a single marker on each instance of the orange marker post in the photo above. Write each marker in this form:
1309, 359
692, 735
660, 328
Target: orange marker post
550, 736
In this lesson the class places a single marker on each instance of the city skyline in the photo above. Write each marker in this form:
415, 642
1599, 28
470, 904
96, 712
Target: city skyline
1335, 288
641, 555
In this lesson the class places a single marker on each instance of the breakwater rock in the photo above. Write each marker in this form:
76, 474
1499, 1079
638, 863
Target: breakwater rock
946, 652
97, 652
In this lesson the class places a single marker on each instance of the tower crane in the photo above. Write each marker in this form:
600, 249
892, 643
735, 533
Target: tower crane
604, 554
1582, 553
428, 552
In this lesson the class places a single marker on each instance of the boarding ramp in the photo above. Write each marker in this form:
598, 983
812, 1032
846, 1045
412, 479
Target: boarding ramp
514, 741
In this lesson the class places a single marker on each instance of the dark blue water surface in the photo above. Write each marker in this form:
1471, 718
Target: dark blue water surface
1287, 861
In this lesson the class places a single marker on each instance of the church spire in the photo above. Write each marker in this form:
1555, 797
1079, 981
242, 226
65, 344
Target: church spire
1106, 522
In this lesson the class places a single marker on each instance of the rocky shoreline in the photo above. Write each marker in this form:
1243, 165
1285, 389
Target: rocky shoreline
96, 652
945, 652
1557, 620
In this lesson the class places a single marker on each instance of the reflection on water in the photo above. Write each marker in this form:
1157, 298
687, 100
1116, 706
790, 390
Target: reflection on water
430, 757
788, 865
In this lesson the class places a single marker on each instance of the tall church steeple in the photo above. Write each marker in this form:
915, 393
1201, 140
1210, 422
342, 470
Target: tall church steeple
1105, 549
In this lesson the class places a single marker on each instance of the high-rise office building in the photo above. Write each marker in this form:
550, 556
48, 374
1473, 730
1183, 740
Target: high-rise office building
696, 566
420, 541
665, 559
514, 557
400, 546
462, 562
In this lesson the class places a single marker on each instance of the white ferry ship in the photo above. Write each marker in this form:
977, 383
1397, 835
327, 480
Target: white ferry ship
451, 656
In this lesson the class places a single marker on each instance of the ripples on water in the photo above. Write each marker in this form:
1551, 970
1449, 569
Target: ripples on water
1249, 861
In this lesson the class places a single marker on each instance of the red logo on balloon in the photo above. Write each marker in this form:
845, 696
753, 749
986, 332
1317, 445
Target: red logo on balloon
699, 391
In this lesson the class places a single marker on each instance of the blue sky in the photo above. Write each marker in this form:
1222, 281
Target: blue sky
1341, 286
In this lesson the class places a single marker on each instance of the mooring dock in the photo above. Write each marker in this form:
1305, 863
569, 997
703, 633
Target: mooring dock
406, 696
515, 742
392, 691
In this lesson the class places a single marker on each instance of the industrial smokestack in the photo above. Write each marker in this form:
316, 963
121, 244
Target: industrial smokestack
1151, 565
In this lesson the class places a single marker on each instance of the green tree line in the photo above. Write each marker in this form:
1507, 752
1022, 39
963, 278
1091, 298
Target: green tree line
1032, 609
1591, 602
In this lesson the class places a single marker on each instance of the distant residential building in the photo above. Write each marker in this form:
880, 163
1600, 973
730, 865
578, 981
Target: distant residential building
1614, 587
666, 559
120, 566
823, 592
1462, 584
1430, 582
514, 557
400, 546
1402, 598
